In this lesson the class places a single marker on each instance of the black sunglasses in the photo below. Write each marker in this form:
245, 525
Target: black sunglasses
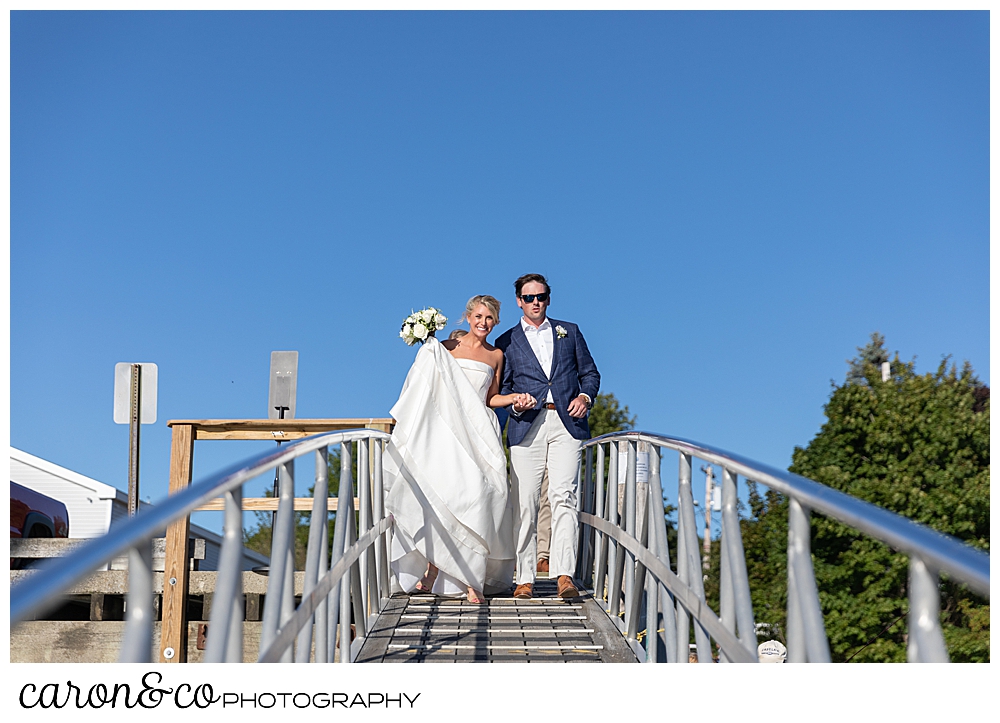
528, 298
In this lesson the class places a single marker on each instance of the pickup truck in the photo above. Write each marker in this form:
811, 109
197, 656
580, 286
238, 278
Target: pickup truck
33, 514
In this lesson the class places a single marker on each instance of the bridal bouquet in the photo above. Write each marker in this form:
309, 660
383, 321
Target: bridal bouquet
420, 325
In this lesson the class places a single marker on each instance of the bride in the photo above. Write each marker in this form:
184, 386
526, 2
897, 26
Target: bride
445, 469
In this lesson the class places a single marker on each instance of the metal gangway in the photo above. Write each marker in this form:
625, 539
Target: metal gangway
634, 606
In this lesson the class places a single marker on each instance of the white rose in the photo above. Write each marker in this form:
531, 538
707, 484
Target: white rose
404, 332
420, 331
426, 315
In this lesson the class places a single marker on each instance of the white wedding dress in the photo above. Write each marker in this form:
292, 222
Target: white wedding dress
445, 477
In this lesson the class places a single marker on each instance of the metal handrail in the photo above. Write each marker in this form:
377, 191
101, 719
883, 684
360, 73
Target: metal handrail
963, 562
673, 583
310, 602
40, 591
643, 543
626, 552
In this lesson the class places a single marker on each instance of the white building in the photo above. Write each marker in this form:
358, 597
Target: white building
95, 508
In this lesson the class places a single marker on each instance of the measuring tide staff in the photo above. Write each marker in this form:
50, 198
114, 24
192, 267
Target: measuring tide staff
135, 405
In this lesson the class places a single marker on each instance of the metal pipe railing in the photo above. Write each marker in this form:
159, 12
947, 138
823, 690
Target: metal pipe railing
138, 626
283, 625
225, 643
317, 539
688, 543
629, 565
626, 551
661, 549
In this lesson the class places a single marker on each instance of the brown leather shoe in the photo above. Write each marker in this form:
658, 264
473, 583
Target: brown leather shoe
566, 587
543, 566
523, 592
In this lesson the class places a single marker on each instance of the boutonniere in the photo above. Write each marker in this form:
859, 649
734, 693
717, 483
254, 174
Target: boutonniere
560, 332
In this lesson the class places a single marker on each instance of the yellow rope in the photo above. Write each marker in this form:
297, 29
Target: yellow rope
642, 633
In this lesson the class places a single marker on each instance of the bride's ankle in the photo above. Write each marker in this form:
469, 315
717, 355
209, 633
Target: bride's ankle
430, 575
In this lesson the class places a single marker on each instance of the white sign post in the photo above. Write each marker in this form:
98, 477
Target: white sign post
135, 405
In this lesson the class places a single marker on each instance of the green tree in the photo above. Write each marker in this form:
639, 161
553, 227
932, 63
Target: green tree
607, 415
870, 356
917, 445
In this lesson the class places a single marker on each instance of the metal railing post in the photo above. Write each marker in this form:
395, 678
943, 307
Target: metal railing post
356, 593
357, 599
737, 567
322, 616
616, 553
137, 646
652, 636
683, 619
806, 632
632, 592
584, 503
631, 624
345, 501
345, 525
925, 643
648, 581
317, 540
381, 551
223, 640
727, 603
692, 560
288, 580
600, 509
364, 524
658, 537
275, 612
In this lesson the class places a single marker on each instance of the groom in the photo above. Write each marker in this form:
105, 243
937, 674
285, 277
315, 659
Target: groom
549, 360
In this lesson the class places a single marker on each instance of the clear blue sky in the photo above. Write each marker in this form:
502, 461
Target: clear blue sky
728, 204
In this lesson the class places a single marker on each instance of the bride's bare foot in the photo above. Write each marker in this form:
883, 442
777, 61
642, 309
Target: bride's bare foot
427, 581
475, 597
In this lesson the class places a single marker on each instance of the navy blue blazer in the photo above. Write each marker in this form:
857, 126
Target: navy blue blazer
573, 372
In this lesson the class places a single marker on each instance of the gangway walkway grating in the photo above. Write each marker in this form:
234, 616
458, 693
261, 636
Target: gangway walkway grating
546, 629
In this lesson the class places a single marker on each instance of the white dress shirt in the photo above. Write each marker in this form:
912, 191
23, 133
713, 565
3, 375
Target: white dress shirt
541, 342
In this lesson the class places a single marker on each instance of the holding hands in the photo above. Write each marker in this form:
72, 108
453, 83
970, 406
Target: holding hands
524, 402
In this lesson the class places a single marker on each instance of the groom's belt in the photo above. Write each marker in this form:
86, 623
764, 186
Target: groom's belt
548, 405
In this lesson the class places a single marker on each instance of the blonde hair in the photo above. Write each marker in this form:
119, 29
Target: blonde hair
486, 300
457, 334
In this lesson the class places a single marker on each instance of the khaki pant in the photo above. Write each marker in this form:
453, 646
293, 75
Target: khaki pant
545, 512
544, 520
547, 447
